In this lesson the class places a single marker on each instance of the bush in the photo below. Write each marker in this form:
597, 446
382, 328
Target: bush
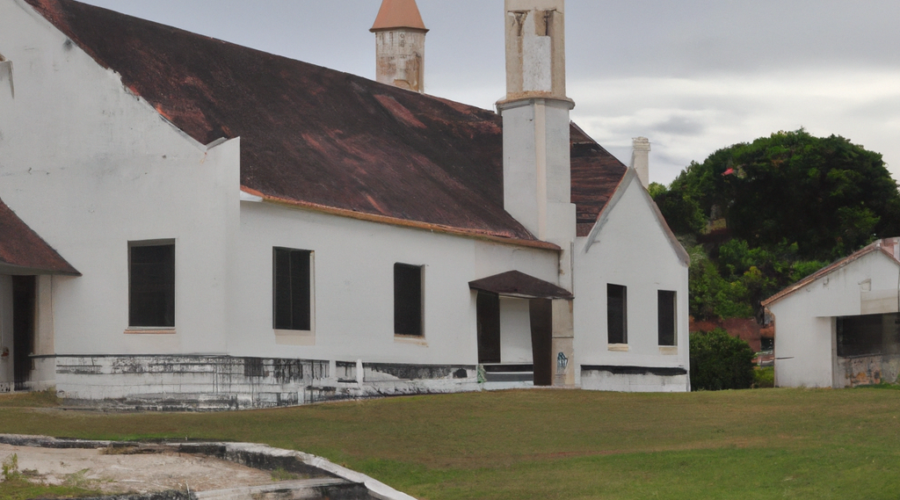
720, 361
764, 378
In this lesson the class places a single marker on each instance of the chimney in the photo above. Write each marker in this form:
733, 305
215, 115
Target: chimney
640, 159
536, 156
400, 45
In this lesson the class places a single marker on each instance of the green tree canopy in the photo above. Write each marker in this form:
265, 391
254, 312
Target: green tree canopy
827, 195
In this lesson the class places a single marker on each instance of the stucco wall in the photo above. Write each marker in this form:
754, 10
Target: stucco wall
353, 286
630, 249
804, 320
90, 166
515, 331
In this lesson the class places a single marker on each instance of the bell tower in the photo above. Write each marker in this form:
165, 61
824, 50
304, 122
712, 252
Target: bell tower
400, 45
536, 152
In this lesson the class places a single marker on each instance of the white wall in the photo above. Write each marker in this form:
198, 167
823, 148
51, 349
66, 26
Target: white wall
90, 167
804, 320
515, 331
630, 248
354, 263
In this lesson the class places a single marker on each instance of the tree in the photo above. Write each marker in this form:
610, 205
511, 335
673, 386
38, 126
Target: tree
781, 207
827, 195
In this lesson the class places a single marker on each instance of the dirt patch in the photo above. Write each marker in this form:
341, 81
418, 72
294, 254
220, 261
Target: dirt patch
115, 473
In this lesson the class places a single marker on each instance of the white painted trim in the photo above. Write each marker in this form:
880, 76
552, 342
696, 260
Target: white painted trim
252, 198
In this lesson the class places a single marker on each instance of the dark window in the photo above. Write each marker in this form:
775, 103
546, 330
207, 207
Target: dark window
291, 291
616, 315
152, 285
868, 335
666, 311
407, 300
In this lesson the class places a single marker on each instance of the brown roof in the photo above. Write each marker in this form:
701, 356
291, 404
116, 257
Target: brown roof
23, 251
518, 284
398, 14
323, 138
887, 246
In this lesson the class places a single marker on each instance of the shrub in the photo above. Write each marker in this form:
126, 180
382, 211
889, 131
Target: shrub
764, 377
720, 361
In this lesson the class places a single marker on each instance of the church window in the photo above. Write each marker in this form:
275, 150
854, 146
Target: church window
292, 289
407, 300
151, 287
617, 314
666, 317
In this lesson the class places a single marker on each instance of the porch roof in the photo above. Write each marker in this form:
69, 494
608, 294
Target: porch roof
519, 284
22, 251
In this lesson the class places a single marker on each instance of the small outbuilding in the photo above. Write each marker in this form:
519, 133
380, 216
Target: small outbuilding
840, 326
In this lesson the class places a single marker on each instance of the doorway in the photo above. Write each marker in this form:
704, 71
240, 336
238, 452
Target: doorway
23, 292
536, 318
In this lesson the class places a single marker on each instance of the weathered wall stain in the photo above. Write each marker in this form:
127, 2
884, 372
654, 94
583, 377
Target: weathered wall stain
208, 383
868, 370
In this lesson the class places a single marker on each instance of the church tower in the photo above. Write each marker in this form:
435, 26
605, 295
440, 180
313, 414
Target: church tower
537, 179
400, 45
536, 156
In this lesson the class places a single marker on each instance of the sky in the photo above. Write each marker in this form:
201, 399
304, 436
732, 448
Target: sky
693, 76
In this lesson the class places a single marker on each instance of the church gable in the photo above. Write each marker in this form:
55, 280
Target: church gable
633, 212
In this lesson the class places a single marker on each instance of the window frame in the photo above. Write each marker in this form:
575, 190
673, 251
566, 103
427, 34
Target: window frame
420, 332
659, 317
610, 319
310, 322
132, 328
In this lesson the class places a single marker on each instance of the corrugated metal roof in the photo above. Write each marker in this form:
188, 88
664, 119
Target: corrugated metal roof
325, 138
22, 251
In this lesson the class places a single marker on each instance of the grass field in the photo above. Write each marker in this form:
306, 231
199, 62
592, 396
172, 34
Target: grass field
548, 444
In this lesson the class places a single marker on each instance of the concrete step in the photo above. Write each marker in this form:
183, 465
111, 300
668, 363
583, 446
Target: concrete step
301, 489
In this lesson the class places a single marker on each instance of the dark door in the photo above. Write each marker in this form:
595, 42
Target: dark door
541, 313
23, 328
488, 313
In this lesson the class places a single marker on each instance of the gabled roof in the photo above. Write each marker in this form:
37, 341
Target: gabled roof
888, 246
619, 191
519, 284
317, 137
22, 251
398, 14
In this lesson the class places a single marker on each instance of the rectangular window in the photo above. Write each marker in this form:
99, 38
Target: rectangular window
666, 317
151, 286
291, 289
407, 300
616, 314
868, 335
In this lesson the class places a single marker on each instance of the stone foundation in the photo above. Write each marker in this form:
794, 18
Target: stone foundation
208, 383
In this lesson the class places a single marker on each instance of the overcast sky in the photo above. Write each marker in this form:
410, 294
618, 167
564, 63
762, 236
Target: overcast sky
692, 75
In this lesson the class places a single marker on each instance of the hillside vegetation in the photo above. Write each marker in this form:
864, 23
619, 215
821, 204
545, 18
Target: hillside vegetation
758, 216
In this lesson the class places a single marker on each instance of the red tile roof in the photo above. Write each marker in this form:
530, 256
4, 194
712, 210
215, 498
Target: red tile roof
23, 251
325, 138
398, 14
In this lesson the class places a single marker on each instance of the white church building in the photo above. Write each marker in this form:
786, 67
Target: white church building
196, 224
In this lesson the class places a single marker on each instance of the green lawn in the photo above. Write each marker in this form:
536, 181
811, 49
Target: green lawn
546, 444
